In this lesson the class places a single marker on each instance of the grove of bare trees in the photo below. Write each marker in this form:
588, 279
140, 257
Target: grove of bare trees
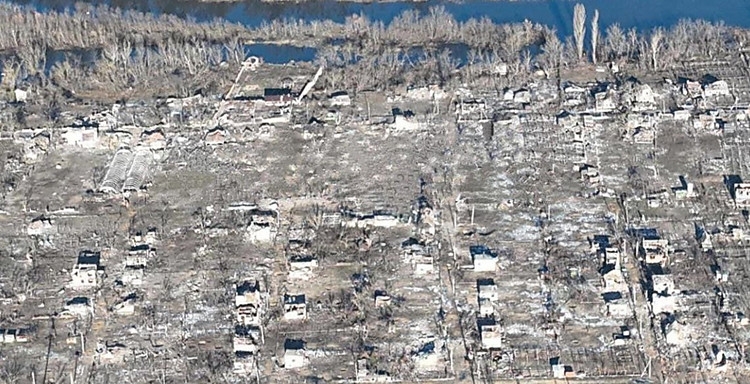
134, 54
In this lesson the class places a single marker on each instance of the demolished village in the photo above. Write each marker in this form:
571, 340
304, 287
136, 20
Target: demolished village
593, 228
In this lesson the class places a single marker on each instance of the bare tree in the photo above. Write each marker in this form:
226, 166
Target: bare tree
615, 43
655, 44
594, 35
552, 53
633, 44
579, 28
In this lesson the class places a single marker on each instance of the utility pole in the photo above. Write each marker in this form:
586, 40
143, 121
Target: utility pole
49, 348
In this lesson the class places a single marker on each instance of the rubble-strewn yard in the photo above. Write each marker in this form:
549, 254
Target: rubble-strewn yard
591, 225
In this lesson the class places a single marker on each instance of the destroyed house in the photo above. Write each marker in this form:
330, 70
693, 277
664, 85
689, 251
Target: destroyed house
490, 334
295, 307
485, 308
340, 99
277, 95
78, 306
263, 217
263, 226
294, 354
111, 352
742, 194
248, 303
483, 258
423, 264
41, 226
247, 293
365, 372
382, 299
148, 238
301, 266
246, 339
142, 250
216, 136
84, 272
612, 256
412, 246
663, 304
134, 271
379, 218
154, 138
426, 357
644, 96
655, 251
562, 371
717, 88
487, 290
303, 261
604, 102
662, 284
126, 306
690, 87
472, 109
14, 335
419, 255
87, 137
643, 135
248, 314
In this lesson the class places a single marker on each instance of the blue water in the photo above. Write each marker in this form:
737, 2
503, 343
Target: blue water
641, 14
280, 54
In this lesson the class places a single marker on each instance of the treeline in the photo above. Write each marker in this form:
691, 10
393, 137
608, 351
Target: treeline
150, 55
90, 26
372, 56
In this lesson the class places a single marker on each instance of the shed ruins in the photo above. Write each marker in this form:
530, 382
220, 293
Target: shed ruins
301, 267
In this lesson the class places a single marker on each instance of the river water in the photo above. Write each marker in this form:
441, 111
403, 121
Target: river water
640, 14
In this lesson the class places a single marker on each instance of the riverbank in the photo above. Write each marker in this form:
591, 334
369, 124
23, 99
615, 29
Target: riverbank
109, 54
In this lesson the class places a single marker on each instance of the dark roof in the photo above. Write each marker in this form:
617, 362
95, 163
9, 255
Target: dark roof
302, 258
480, 249
88, 257
243, 330
484, 282
78, 300
708, 79
294, 299
294, 344
247, 287
409, 242
611, 296
276, 92
140, 247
